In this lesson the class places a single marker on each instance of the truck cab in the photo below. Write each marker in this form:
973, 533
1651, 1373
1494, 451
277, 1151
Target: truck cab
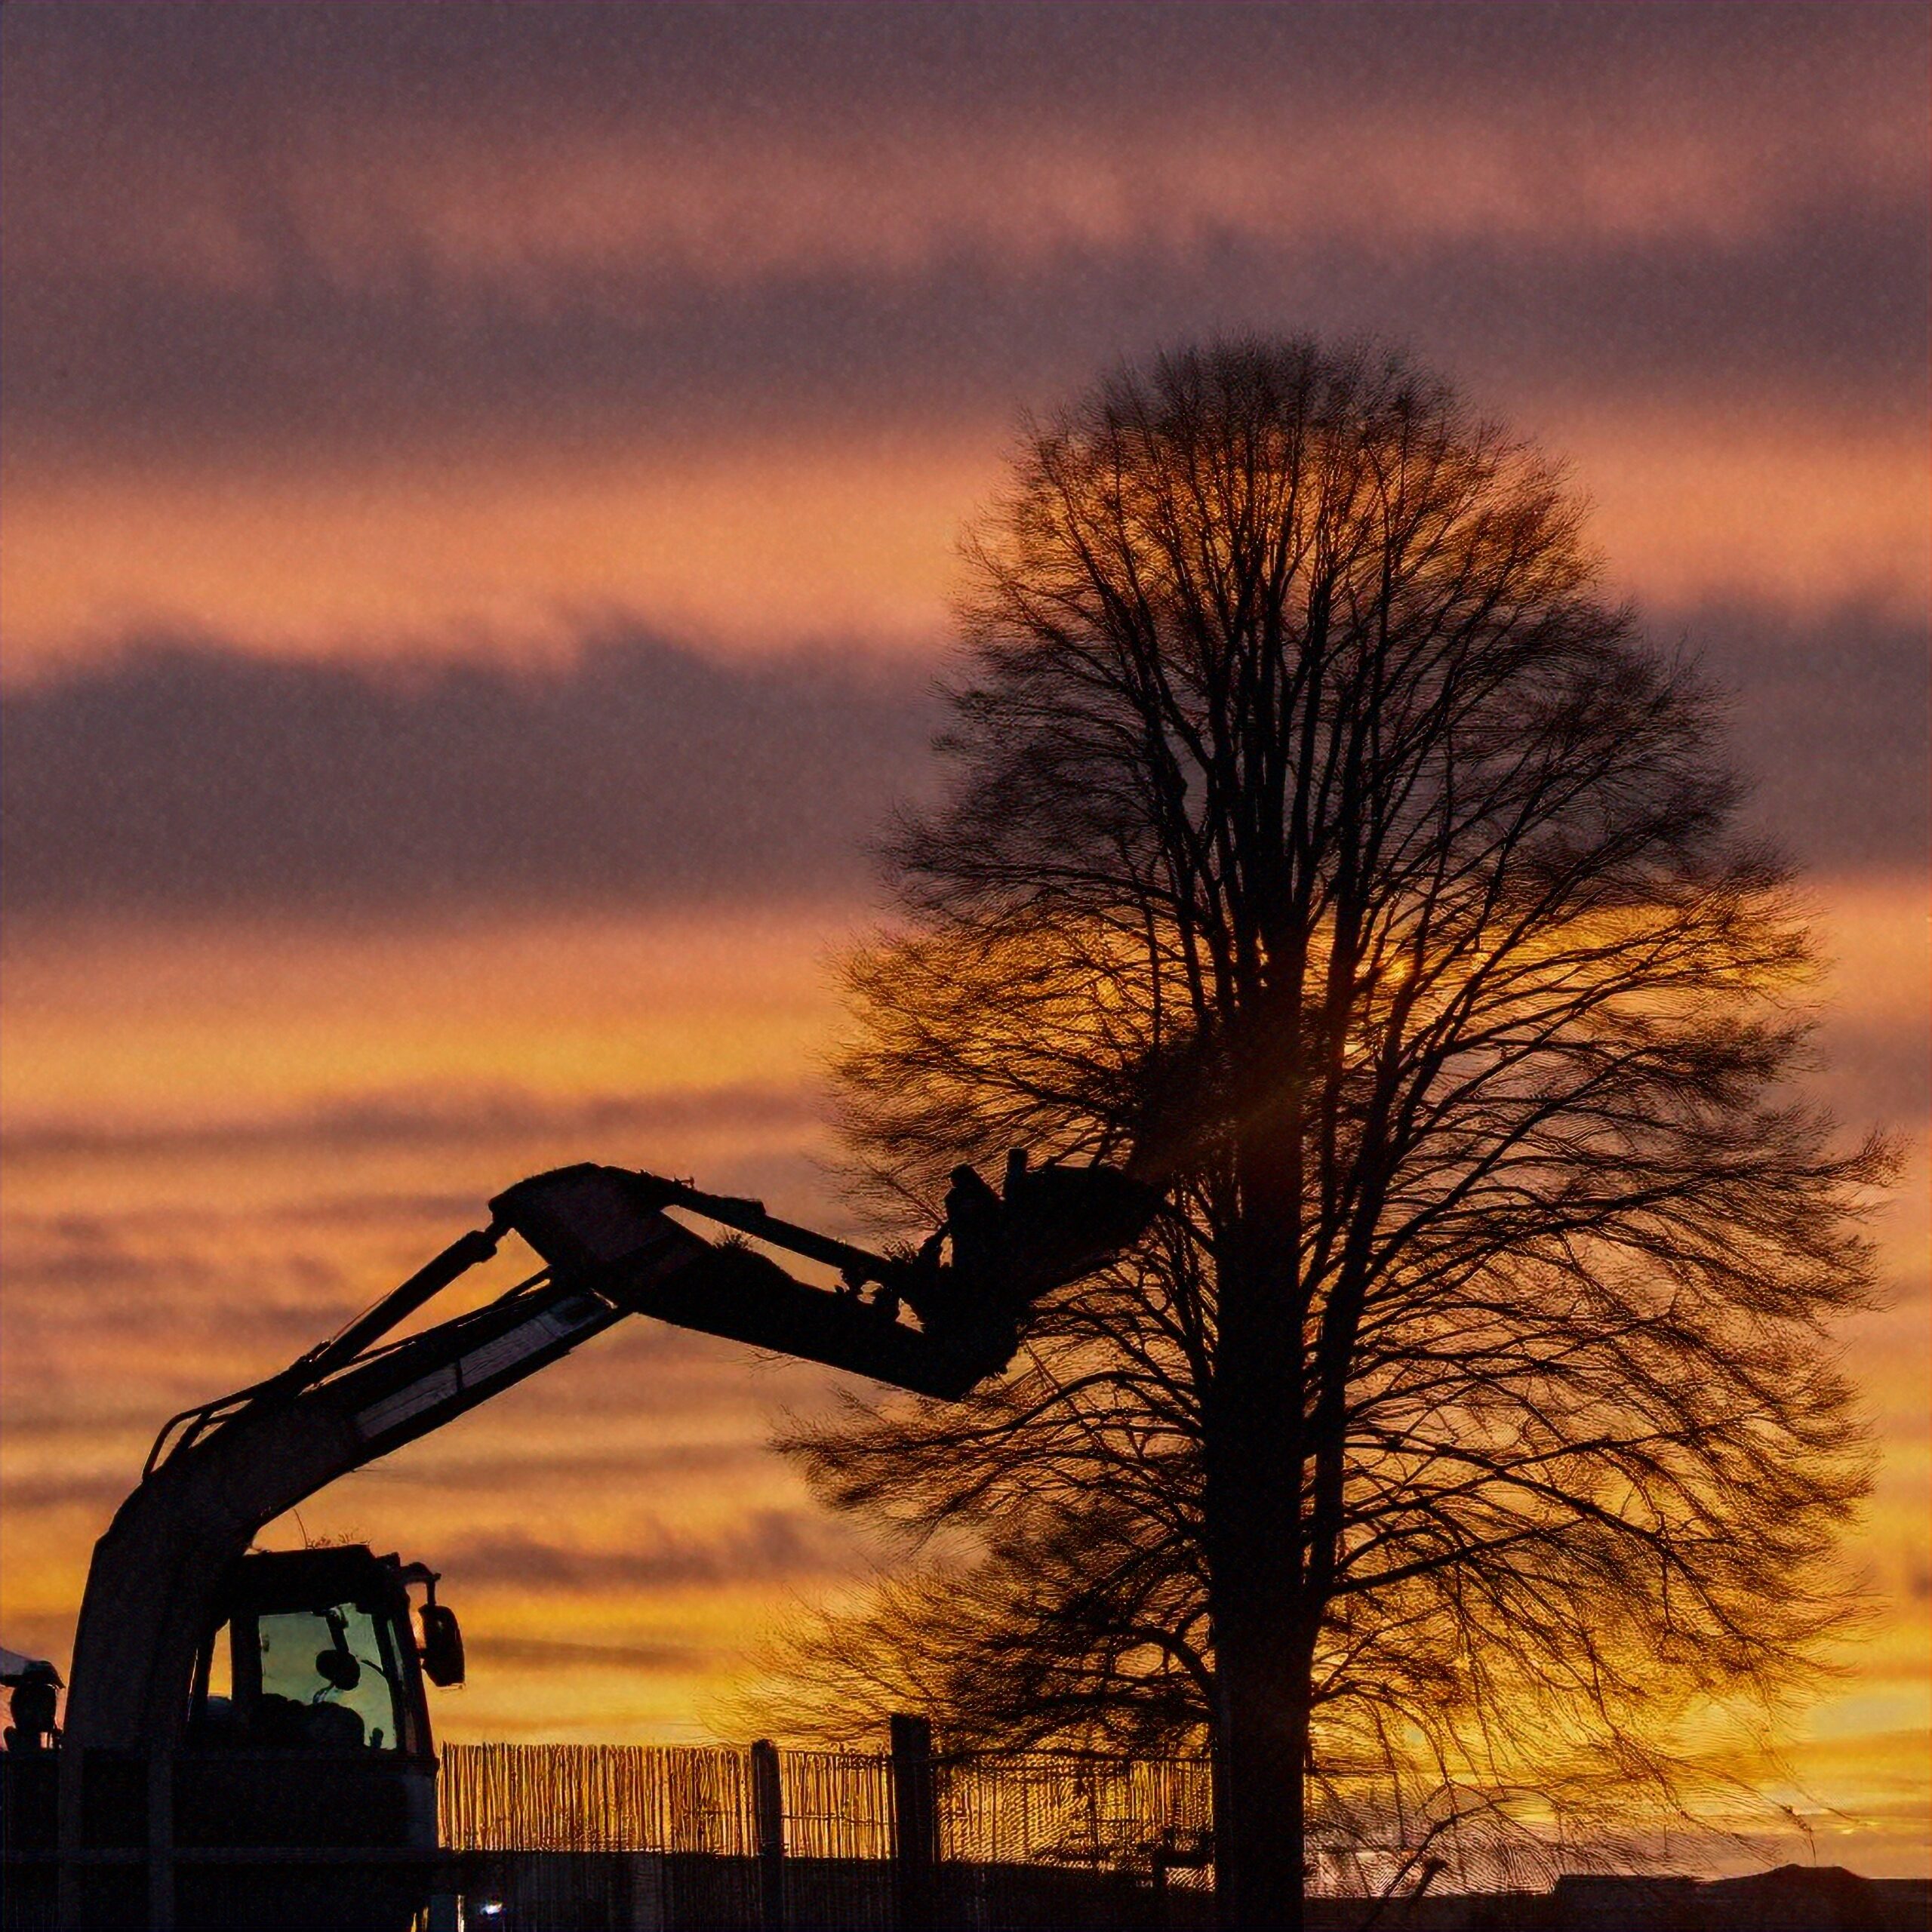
315, 1650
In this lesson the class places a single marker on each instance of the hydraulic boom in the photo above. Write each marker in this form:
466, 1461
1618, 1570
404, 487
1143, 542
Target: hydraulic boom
269, 1706
166, 1572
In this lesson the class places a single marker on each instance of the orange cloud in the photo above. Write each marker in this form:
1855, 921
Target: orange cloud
180, 1024
768, 544
1774, 510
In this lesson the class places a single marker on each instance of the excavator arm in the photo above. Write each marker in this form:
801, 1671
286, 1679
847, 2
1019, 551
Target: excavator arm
220, 1472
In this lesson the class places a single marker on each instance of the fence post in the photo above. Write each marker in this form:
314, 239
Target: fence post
914, 1821
768, 1833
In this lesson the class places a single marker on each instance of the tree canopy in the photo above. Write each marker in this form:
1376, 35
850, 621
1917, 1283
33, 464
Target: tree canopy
1321, 832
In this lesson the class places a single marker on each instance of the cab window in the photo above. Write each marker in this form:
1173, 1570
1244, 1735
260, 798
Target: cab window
326, 1679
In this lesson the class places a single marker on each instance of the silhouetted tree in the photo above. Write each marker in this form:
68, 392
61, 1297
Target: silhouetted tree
1320, 832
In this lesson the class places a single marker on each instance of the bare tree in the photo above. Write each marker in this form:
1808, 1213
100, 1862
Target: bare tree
1320, 832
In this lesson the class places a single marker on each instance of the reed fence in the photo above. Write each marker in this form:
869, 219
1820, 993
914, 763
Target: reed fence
1043, 1809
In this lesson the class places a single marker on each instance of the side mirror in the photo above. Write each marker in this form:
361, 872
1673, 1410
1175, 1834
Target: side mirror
441, 1652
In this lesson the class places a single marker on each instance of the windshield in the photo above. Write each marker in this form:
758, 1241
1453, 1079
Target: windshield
332, 1661
325, 1679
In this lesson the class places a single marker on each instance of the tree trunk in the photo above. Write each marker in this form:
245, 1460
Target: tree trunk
1257, 1591
1261, 1747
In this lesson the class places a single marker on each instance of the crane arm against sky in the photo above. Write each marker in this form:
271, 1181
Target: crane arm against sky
480, 489
218, 1472
175, 1580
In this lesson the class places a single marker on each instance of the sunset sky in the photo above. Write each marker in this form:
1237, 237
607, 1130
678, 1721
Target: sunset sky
480, 488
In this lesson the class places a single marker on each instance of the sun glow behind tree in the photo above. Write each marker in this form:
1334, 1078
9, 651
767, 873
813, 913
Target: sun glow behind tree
1320, 832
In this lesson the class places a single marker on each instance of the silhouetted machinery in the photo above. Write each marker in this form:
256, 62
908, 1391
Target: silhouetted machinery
247, 1740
